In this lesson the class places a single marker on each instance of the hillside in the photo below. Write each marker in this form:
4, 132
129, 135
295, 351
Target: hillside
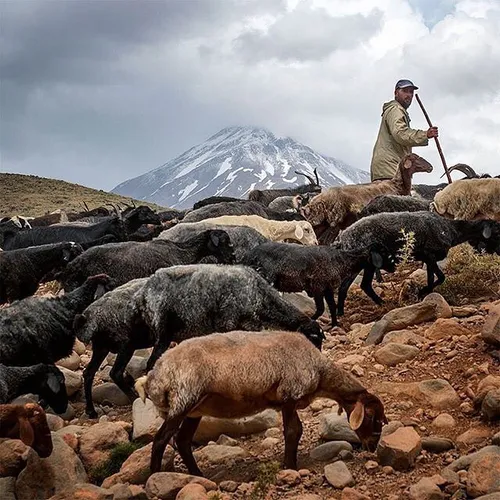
32, 196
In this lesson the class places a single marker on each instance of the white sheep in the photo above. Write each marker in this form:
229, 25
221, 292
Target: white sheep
237, 374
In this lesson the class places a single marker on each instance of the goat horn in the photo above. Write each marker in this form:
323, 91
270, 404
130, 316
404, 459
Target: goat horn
464, 168
308, 177
316, 175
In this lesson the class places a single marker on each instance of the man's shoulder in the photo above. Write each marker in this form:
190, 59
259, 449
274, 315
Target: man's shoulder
393, 106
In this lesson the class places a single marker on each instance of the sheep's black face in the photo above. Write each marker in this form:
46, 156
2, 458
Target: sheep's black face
53, 391
314, 333
221, 247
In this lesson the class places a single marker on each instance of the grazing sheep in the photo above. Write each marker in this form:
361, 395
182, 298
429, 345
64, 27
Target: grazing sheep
29, 424
433, 236
338, 207
273, 230
238, 374
242, 238
241, 207
213, 200
47, 381
317, 270
129, 260
393, 203
39, 329
21, 271
186, 301
469, 199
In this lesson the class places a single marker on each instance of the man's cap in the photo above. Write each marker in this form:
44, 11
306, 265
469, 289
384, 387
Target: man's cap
401, 84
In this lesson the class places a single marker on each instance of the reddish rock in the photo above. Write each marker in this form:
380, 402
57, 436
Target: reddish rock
491, 328
166, 485
426, 489
484, 476
192, 492
13, 455
444, 328
399, 449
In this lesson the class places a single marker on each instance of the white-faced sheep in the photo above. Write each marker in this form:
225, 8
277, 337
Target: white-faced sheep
29, 424
237, 374
469, 199
338, 207
300, 231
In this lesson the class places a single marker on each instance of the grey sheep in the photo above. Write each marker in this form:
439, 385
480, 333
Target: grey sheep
47, 381
317, 270
242, 238
237, 374
129, 260
393, 203
21, 271
433, 236
40, 329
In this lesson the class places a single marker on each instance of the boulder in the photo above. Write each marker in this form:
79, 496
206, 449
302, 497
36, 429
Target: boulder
491, 328
392, 354
328, 451
399, 449
146, 420
73, 381
445, 327
484, 476
109, 394
216, 453
338, 475
13, 456
333, 427
426, 489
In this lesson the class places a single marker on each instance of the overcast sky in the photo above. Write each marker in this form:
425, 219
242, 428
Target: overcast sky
99, 91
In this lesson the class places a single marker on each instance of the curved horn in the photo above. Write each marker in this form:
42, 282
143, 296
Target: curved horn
465, 169
316, 175
308, 177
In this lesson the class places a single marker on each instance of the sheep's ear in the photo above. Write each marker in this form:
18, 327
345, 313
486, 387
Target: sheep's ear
357, 416
487, 232
376, 259
214, 239
26, 432
53, 383
299, 232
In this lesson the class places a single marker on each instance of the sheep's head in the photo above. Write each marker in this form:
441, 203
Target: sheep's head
488, 238
413, 164
366, 418
219, 245
52, 389
304, 233
313, 332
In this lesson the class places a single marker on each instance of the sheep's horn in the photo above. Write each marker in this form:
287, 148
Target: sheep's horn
316, 175
308, 177
465, 169
86, 206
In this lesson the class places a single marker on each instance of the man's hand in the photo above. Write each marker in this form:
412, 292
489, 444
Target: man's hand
432, 132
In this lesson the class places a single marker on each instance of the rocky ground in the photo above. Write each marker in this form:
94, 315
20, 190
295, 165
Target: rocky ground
435, 366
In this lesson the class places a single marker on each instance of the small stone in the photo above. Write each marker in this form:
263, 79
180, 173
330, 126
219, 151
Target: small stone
399, 449
333, 427
229, 486
72, 362
166, 485
273, 432
217, 453
490, 406
109, 394
444, 421
192, 491
226, 440
437, 444
358, 371
371, 466
476, 435
496, 439
484, 476
352, 494
467, 409
288, 477
426, 489
338, 475
444, 328
328, 451
269, 443
388, 470
392, 354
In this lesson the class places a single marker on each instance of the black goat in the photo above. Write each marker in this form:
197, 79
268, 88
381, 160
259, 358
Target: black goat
46, 381
40, 329
21, 271
393, 203
172, 214
213, 200
59, 233
129, 260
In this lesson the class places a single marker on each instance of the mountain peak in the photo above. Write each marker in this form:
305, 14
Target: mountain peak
232, 162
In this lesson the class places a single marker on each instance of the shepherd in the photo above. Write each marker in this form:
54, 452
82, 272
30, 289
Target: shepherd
395, 137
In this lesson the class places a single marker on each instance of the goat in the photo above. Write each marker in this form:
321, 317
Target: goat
433, 236
58, 233
185, 301
39, 329
49, 219
469, 199
213, 200
318, 270
393, 203
171, 214
300, 231
470, 172
238, 374
241, 207
29, 424
338, 207
129, 260
21, 271
46, 381
20, 221
286, 203
242, 238
265, 196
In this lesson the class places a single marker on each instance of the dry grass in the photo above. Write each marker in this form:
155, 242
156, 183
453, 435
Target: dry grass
33, 196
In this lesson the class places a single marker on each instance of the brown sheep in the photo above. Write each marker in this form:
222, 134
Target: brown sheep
338, 207
29, 424
237, 374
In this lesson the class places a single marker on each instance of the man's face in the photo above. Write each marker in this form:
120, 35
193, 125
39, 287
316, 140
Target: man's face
404, 96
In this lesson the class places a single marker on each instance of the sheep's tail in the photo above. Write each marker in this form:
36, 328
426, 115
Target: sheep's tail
140, 387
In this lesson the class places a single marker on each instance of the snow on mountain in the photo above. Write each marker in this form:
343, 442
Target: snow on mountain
233, 162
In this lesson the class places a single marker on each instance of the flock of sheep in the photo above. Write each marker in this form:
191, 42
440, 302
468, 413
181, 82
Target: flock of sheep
210, 279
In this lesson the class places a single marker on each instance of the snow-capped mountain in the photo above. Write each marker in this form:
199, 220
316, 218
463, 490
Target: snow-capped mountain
233, 162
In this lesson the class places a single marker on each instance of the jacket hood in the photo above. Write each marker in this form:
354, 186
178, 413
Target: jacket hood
391, 104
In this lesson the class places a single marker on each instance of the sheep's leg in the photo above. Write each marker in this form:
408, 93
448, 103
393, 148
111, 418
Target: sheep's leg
184, 441
292, 430
378, 275
160, 441
320, 306
367, 287
160, 347
330, 300
432, 269
120, 376
98, 355
342, 294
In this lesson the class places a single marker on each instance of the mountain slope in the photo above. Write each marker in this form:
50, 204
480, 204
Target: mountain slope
233, 162
32, 196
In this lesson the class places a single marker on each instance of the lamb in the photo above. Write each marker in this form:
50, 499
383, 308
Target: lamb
21, 271
238, 374
266, 196
242, 238
469, 199
29, 424
393, 203
129, 260
318, 270
300, 231
433, 237
338, 207
47, 381
241, 207
39, 329
185, 301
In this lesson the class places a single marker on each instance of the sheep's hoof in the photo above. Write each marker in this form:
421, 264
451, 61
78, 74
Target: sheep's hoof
92, 414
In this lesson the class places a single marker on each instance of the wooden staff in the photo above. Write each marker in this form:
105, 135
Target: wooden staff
440, 151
